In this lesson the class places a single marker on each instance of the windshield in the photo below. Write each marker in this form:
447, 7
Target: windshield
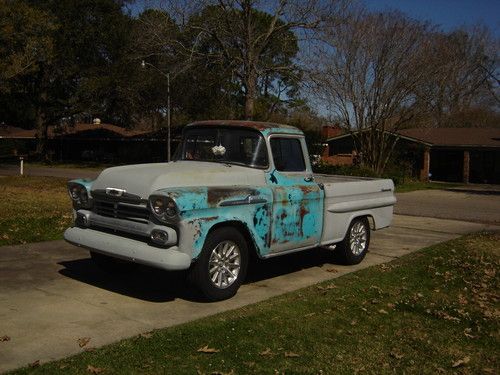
224, 145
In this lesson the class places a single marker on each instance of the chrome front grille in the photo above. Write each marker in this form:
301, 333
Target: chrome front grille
126, 208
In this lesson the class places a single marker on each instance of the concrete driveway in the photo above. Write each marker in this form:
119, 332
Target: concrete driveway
69, 173
477, 203
51, 294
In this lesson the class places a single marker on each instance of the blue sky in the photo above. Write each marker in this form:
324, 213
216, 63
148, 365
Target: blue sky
448, 14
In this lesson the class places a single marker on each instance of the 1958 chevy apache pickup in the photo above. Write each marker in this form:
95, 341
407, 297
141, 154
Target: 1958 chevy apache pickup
234, 188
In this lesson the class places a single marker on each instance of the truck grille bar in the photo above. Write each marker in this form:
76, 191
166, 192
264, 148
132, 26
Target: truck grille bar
112, 207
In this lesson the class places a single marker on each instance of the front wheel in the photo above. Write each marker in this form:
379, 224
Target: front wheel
222, 265
354, 246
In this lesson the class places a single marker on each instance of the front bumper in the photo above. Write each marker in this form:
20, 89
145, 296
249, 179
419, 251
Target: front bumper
128, 249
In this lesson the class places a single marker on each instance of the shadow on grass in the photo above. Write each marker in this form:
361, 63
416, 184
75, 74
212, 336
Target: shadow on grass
154, 285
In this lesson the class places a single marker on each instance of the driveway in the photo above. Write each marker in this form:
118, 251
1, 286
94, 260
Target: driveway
51, 294
472, 203
69, 173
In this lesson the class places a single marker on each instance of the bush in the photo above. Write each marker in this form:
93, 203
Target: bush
399, 174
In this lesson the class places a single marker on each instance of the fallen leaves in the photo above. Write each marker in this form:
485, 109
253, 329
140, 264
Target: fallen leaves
82, 341
35, 364
94, 370
461, 362
396, 355
266, 352
291, 355
4, 338
205, 349
332, 270
146, 335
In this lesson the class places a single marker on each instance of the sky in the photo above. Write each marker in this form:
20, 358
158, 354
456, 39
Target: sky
448, 14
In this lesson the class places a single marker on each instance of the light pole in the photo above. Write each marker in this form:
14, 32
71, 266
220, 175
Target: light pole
166, 75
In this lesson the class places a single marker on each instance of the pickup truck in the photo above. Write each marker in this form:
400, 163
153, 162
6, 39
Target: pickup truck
234, 188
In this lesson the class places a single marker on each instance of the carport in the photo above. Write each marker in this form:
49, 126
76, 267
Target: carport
459, 154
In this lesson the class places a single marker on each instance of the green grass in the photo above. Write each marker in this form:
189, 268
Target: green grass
33, 209
434, 311
419, 185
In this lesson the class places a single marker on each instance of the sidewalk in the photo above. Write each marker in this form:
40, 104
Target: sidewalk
51, 294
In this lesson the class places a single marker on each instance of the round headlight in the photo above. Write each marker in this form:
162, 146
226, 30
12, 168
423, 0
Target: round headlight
78, 193
74, 192
163, 207
171, 208
158, 206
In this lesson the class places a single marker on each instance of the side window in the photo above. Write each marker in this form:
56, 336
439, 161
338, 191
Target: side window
287, 155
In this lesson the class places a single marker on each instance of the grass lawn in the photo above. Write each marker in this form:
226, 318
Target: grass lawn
419, 185
33, 209
434, 311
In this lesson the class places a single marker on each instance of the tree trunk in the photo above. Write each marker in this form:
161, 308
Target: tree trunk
250, 95
41, 131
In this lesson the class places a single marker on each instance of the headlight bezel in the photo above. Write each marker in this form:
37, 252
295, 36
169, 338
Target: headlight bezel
163, 208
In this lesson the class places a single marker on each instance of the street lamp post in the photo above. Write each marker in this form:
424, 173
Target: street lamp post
166, 75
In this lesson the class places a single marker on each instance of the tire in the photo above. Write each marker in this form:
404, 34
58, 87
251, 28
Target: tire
110, 264
222, 265
353, 248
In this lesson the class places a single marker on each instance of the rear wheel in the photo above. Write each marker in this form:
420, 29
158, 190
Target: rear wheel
222, 265
354, 246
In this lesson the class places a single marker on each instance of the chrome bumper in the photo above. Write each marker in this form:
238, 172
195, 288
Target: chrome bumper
128, 249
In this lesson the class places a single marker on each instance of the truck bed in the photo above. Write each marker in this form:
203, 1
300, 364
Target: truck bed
347, 197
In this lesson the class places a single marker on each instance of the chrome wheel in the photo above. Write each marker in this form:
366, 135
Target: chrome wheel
224, 264
358, 238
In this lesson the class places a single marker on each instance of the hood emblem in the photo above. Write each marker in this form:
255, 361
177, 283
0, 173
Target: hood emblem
115, 192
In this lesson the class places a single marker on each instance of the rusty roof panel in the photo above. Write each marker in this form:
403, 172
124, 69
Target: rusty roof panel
258, 125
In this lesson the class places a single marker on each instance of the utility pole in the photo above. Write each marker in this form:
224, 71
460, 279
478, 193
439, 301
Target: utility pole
168, 117
166, 75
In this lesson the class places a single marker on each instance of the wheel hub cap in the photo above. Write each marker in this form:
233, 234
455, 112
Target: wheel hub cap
224, 264
358, 237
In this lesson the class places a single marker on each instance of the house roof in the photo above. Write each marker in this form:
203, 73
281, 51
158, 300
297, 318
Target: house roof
485, 137
7, 131
448, 137
65, 131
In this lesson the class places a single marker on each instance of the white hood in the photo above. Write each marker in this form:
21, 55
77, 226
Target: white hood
143, 179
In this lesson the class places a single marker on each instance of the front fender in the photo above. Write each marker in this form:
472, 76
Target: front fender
200, 208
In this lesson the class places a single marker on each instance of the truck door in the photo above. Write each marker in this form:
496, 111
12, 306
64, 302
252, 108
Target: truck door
297, 207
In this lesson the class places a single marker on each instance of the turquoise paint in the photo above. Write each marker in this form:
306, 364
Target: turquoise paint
200, 210
298, 211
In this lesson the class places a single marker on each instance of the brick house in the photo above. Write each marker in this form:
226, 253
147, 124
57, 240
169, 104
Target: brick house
441, 154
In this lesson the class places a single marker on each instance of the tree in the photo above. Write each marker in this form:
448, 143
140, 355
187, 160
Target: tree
56, 49
367, 70
255, 42
463, 83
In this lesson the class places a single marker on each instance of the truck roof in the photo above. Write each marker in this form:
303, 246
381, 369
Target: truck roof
258, 125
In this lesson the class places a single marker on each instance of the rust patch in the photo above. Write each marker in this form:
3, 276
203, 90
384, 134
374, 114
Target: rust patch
207, 219
247, 124
302, 212
308, 189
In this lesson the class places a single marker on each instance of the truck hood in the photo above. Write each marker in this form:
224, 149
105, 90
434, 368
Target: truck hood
144, 179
